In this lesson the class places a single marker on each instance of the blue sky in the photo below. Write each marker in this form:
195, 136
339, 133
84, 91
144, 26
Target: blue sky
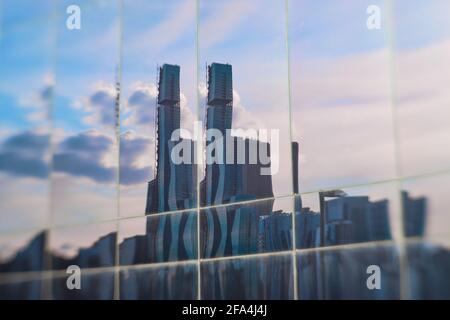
319, 29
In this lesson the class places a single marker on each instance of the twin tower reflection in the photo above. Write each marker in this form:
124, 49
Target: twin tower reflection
238, 218
229, 228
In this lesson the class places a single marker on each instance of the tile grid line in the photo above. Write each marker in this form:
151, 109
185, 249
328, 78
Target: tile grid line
47, 290
293, 217
33, 275
349, 246
118, 130
197, 78
391, 38
251, 255
429, 175
343, 247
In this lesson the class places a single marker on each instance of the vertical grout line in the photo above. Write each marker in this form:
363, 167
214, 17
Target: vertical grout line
294, 238
47, 286
199, 150
404, 283
118, 105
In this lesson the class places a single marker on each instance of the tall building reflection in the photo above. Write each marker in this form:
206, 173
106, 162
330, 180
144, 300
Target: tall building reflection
237, 229
174, 187
348, 219
415, 210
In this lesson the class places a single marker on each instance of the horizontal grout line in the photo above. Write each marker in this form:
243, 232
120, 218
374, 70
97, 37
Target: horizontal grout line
349, 246
247, 256
159, 265
441, 173
15, 277
239, 203
428, 238
426, 175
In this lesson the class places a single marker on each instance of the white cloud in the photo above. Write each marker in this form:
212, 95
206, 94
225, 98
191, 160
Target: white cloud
242, 117
140, 108
99, 106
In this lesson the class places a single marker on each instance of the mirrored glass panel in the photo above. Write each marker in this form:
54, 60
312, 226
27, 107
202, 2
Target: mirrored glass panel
243, 101
257, 278
241, 229
26, 90
341, 93
426, 206
421, 73
87, 246
343, 216
427, 265
159, 99
174, 282
17, 15
23, 252
345, 274
94, 286
85, 116
158, 238
21, 289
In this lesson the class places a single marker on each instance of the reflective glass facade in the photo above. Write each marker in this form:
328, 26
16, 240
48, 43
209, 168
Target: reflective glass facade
239, 149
